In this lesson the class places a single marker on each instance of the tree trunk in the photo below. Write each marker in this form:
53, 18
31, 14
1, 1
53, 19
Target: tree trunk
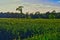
21, 11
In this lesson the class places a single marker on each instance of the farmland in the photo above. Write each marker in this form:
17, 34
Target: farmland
29, 29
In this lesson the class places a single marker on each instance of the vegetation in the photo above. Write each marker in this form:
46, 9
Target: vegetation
29, 29
30, 26
20, 9
47, 15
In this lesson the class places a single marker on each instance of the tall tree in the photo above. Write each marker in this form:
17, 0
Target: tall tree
53, 11
19, 9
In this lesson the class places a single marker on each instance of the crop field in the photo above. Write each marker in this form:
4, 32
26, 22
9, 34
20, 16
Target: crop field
29, 29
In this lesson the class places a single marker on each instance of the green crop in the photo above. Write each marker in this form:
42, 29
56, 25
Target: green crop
32, 29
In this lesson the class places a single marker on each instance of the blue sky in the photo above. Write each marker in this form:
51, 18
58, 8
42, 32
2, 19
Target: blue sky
30, 5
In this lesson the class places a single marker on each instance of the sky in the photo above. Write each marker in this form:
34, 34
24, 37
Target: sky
30, 5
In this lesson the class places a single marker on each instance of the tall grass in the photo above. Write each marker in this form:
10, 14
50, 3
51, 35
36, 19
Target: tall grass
31, 29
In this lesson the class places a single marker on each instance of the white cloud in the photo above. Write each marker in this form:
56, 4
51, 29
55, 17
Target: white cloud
28, 7
39, 7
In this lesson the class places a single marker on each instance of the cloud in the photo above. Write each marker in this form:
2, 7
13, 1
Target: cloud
39, 7
29, 5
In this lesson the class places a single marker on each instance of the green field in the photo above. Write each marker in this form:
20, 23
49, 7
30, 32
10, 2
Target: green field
31, 29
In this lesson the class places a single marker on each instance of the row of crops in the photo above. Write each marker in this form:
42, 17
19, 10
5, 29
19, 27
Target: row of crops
29, 29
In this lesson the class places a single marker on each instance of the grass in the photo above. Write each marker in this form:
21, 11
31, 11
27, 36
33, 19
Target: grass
32, 29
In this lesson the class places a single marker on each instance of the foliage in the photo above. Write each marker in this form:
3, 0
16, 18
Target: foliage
29, 29
51, 16
27, 15
19, 8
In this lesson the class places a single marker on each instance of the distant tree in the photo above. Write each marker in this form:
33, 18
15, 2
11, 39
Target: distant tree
31, 15
37, 14
20, 9
48, 12
53, 11
51, 16
27, 15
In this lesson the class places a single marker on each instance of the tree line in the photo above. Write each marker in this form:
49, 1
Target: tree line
37, 14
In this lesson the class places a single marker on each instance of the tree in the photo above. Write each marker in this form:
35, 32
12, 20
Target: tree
27, 15
31, 15
53, 11
47, 12
51, 16
37, 14
20, 9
